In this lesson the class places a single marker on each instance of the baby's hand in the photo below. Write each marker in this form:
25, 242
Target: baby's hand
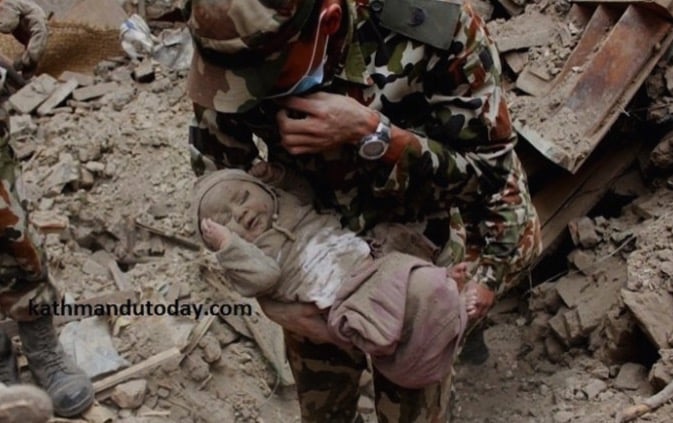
215, 235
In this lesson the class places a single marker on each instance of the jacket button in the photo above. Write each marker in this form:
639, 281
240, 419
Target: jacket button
418, 16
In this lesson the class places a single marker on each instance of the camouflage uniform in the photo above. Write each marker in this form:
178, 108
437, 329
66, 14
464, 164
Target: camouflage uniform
459, 182
23, 264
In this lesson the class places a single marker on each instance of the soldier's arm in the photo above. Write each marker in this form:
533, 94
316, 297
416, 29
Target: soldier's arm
217, 144
36, 22
467, 137
10, 16
468, 114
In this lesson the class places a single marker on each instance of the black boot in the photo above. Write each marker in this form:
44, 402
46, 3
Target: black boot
9, 374
68, 386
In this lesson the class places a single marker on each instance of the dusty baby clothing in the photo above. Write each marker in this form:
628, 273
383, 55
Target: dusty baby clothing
404, 311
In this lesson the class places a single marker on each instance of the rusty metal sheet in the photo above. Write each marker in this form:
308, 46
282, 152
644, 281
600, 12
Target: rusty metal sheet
661, 6
602, 75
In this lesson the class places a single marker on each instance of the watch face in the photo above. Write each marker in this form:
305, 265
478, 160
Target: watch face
373, 148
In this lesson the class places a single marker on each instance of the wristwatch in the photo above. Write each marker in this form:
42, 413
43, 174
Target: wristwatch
375, 145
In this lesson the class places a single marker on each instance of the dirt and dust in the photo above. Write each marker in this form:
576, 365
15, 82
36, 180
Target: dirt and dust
570, 350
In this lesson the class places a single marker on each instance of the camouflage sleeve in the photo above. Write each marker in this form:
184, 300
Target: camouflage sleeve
467, 140
510, 215
216, 143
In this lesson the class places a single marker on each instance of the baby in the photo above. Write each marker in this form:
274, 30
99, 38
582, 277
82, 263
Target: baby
404, 311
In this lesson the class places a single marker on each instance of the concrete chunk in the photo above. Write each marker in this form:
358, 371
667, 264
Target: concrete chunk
144, 72
57, 97
571, 289
631, 376
32, 95
83, 80
516, 60
584, 261
583, 232
130, 395
652, 310
524, 31
94, 91
558, 327
530, 83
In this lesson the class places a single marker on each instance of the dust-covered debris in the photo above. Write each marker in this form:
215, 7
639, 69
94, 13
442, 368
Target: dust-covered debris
104, 161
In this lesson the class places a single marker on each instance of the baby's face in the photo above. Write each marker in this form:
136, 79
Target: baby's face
250, 209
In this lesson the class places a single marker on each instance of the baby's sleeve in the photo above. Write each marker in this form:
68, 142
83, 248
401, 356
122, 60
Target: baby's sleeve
247, 268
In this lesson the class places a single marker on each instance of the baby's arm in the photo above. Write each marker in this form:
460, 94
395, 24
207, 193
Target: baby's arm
243, 264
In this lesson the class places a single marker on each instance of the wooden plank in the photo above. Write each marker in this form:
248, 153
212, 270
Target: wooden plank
576, 195
180, 240
138, 369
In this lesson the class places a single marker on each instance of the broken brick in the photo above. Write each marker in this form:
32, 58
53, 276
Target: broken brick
94, 91
32, 95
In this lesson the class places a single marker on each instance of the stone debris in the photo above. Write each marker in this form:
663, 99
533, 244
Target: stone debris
94, 91
523, 31
130, 395
110, 149
652, 311
83, 80
89, 342
32, 95
58, 96
583, 232
631, 376
594, 388
144, 72
49, 221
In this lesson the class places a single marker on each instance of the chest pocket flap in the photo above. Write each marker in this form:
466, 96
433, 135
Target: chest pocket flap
432, 22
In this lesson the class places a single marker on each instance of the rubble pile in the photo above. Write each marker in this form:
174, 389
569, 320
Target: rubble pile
107, 180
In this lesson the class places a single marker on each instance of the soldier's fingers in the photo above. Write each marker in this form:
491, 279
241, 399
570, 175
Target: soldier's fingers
302, 150
289, 123
305, 104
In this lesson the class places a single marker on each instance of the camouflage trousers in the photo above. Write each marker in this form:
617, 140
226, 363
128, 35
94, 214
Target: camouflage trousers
23, 265
327, 380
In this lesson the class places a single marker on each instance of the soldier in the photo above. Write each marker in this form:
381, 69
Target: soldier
24, 280
394, 111
27, 22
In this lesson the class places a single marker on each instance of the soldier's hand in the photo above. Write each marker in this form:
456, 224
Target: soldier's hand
328, 121
300, 318
25, 67
479, 300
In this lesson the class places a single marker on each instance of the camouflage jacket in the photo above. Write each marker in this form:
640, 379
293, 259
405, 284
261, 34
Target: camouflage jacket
463, 156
